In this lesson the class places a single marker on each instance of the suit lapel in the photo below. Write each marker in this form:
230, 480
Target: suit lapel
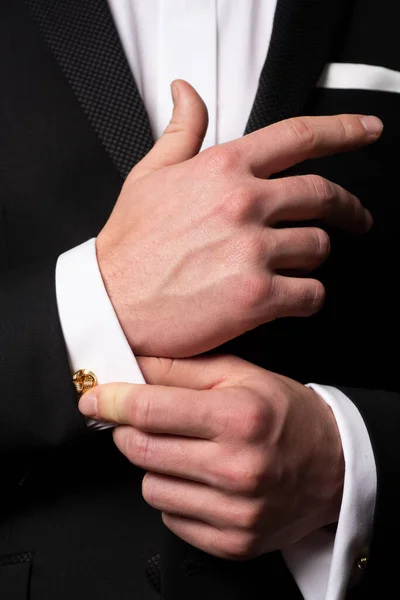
82, 36
84, 41
303, 35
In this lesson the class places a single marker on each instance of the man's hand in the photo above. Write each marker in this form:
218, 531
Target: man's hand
240, 461
191, 256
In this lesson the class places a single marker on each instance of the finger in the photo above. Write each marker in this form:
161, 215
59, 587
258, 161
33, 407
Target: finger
200, 373
284, 144
301, 248
309, 197
313, 197
207, 538
296, 297
194, 500
184, 498
185, 133
186, 458
155, 409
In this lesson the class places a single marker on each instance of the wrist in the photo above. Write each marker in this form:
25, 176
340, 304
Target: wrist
333, 464
113, 279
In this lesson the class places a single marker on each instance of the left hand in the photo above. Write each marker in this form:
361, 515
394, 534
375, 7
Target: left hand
240, 461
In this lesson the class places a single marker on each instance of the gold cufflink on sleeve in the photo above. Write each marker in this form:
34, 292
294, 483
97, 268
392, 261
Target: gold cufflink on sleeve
362, 562
84, 380
359, 568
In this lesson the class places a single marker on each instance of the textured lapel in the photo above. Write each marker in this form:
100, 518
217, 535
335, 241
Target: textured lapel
84, 41
303, 35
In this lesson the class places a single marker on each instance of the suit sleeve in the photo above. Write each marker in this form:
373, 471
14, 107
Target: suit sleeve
38, 404
381, 413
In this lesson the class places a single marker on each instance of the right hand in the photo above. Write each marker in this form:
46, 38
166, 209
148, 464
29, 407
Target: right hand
190, 256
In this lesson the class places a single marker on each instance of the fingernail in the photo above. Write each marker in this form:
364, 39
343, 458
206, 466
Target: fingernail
88, 405
174, 93
372, 124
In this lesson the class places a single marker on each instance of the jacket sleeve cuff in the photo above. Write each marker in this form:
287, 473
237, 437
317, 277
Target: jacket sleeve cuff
323, 564
92, 333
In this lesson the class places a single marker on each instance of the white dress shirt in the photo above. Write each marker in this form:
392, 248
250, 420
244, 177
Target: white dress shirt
219, 46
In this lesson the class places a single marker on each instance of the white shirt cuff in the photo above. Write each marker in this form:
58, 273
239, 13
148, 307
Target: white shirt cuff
323, 564
92, 333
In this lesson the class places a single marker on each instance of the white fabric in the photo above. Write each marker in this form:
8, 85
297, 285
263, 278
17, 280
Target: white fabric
351, 76
323, 564
219, 46
92, 333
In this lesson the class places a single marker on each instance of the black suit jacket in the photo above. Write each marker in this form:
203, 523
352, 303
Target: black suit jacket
73, 523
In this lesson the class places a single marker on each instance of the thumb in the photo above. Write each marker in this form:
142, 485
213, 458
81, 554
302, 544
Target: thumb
184, 134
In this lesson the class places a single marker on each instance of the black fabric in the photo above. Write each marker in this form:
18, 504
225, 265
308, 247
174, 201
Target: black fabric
84, 40
190, 573
153, 572
72, 124
303, 35
388, 497
30, 331
14, 580
16, 559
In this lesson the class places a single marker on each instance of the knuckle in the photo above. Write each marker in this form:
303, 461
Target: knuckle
310, 298
324, 192
239, 203
322, 242
345, 126
241, 546
252, 292
137, 447
140, 410
250, 248
253, 419
226, 477
244, 476
141, 445
222, 159
318, 296
273, 245
249, 517
300, 129
252, 478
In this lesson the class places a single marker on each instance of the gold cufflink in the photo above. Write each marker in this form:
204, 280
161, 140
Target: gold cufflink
359, 567
84, 380
362, 563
